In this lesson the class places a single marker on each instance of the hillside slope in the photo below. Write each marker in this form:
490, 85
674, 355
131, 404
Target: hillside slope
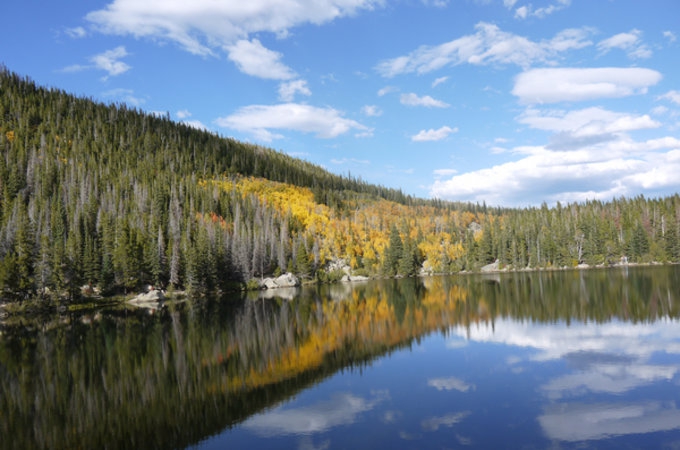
110, 197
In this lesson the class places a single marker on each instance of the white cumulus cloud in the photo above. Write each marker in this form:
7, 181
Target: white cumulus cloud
594, 171
252, 58
586, 122
552, 85
204, 26
260, 120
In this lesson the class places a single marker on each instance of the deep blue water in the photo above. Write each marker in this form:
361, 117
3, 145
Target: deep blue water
567, 359
510, 382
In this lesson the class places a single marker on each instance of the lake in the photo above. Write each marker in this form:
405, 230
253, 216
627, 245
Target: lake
559, 359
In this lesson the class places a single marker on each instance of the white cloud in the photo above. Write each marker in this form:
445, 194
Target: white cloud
670, 36
259, 120
598, 170
252, 58
439, 81
76, 33
386, 90
673, 96
109, 61
433, 135
371, 111
204, 26
509, 3
552, 8
522, 12
628, 42
660, 110
183, 114
412, 99
201, 26
288, 90
586, 122
569, 84
488, 45
528, 11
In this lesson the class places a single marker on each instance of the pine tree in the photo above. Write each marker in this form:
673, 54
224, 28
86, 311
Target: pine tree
393, 252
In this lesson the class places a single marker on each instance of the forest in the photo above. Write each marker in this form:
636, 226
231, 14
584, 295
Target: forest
108, 198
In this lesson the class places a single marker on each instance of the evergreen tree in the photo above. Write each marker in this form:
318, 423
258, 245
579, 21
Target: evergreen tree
393, 253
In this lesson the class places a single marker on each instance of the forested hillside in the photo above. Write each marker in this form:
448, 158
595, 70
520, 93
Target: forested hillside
110, 197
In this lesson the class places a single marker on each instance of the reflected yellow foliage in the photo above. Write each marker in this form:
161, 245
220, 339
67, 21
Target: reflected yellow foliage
365, 318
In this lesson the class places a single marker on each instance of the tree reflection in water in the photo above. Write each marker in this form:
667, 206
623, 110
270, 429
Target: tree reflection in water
128, 379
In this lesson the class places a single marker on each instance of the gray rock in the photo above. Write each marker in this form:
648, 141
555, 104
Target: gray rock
287, 280
354, 278
151, 296
493, 267
269, 283
150, 300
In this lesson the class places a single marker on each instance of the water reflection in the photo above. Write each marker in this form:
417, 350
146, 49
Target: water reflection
611, 362
342, 409
450, 383
438, 360
581, 422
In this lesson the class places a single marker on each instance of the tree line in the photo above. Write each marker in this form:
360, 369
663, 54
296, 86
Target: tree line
111, 198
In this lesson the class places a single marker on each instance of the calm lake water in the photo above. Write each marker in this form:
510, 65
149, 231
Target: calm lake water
570, 359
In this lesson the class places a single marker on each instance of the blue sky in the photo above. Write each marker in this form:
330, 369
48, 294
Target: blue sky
510, 102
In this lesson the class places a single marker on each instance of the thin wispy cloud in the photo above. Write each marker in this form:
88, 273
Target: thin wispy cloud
288, 90
412, 99
371, 111
630, 42
488, 45
108, 61
433, 135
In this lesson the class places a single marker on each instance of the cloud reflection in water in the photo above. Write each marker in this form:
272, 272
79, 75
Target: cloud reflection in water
611, 359
341, 409
579, 422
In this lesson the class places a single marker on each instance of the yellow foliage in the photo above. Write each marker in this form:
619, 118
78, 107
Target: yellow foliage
363, 235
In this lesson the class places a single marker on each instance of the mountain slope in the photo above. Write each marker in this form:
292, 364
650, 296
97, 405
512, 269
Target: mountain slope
110, 197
